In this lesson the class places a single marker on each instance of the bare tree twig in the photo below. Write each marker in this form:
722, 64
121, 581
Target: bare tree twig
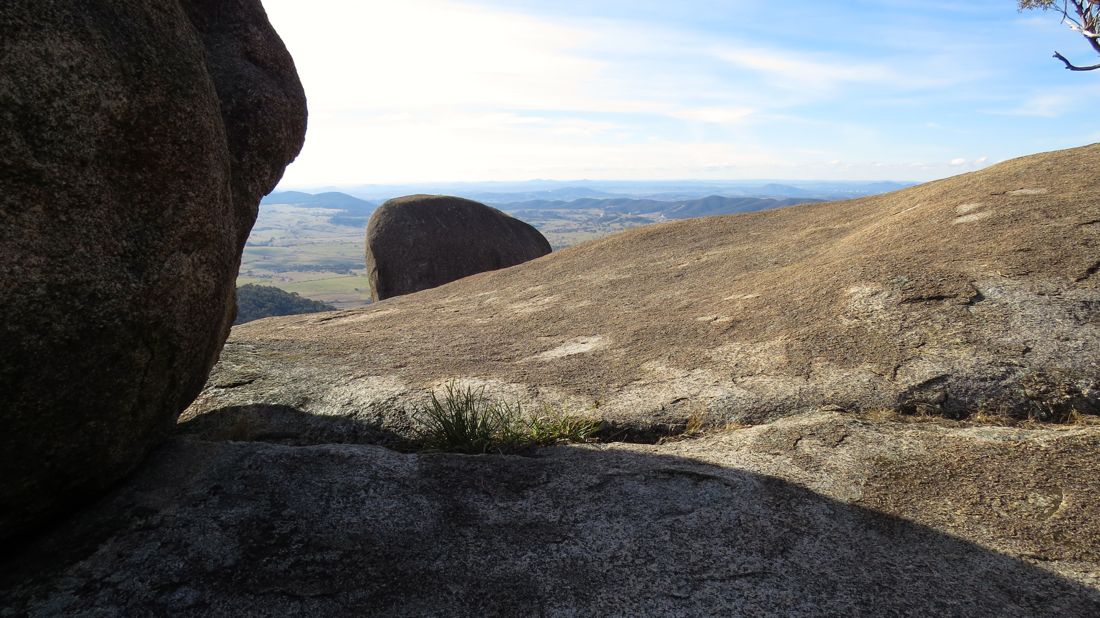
1072, 67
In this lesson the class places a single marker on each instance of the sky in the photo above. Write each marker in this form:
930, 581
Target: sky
406, 91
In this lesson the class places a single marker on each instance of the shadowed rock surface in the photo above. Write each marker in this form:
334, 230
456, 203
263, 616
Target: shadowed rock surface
423, 241
978, 292
138, 139
819, 515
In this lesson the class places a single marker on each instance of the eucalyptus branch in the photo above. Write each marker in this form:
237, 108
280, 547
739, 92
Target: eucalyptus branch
1081, 16
1072, 67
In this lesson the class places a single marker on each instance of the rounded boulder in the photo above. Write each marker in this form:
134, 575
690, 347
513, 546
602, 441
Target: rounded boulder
423, 241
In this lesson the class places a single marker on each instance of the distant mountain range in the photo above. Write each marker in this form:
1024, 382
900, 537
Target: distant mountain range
653, 200
667, 190
563, 194
676, 209
332, 199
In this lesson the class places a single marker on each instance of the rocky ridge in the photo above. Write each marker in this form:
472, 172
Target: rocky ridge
974, 293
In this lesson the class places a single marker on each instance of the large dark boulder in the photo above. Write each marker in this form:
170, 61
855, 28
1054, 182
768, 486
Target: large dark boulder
139, 136
423, 241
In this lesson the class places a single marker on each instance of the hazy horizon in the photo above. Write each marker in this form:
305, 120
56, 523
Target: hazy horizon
582, 182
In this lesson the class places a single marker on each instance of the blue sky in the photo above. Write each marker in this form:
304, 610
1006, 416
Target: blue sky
477, 90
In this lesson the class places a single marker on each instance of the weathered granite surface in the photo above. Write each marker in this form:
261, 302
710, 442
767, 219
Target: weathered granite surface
817, 515
974, 293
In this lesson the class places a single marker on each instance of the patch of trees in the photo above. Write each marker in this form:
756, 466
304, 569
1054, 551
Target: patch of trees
349, 220
340, 268
263, 301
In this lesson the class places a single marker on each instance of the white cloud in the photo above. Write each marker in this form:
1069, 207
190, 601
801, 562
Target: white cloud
802, 74
418, 54
444, 89
714, 115
495, 146
1043, 105
964, 162
1053, 102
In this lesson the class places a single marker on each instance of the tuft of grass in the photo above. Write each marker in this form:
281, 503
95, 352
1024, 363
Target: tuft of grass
986, 418
696, 424
1076, 417
555, 427
465, 420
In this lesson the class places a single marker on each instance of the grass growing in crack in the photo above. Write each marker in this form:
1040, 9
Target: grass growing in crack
556, 427
465, 420
985, 418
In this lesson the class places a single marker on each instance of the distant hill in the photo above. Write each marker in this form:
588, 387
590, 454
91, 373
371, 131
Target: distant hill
262, 301
562, 194
494, 193
675, 209
356, 212
823, 190
333, 200
718, 205
779, 190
